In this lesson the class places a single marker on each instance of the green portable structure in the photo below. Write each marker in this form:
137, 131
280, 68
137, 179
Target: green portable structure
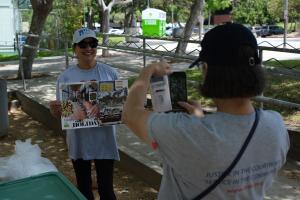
46, 186
153, 22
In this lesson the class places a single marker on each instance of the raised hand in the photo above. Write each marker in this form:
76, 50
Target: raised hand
192, 107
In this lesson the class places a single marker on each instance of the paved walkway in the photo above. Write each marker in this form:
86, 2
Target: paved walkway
42, 90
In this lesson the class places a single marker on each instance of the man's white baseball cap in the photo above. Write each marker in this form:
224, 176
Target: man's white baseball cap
83, 33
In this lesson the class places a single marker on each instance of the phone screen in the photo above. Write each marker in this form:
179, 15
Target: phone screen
178, 89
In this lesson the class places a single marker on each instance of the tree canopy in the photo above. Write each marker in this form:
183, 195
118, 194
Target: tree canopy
251, 12
264, 11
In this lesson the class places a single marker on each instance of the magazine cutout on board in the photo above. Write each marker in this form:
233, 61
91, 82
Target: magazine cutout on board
92, 103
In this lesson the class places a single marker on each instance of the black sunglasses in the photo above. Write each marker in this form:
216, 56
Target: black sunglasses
83, 45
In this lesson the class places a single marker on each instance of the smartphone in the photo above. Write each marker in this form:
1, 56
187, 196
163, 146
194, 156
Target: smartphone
178, 89
166, 91
160, 94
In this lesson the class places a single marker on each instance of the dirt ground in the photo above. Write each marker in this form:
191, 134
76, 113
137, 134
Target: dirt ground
127, 186
22, 126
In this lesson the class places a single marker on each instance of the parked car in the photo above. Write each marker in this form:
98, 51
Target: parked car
265, 31
257, 31
276, 30
170, 28
178, 32
116, 31
196, 30
22, 39
268, 30
169, 31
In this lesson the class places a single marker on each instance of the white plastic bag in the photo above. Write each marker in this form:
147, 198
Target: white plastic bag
26, 161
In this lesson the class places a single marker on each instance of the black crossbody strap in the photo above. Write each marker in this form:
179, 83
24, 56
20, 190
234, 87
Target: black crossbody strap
234, 162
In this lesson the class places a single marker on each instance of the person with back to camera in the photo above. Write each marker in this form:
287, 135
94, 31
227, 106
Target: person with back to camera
89, 144
234, 153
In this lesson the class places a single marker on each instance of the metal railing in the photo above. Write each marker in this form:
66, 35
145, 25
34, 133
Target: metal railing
157, 47
159, 50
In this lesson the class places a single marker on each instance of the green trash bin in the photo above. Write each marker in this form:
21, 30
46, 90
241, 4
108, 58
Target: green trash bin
153, 22
46, 186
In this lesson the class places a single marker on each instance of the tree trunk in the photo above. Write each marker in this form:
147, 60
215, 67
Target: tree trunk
41, 9
195, 10
201, 20
105, 10
105, 29
132, 20
126, 19
90, 18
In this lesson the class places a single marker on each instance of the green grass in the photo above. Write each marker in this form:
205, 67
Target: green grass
113, 39
8, 57
276, 88
290, 25
283, 89
131, 80
8, 53
289, 64
193, 92
14, 56
52, 53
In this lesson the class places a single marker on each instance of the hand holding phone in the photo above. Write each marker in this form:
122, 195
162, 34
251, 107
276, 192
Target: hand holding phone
166, 91
192, 107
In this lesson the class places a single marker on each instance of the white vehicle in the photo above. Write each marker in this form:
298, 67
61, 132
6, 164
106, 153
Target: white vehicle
170, 28
169, 31
116, 31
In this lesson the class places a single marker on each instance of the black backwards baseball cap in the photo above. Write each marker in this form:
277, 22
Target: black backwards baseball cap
221, 45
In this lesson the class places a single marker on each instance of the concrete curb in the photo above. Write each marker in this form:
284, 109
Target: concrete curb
129, 160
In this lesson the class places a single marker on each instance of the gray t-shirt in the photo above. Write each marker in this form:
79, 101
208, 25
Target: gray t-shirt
90, 143
195, 151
